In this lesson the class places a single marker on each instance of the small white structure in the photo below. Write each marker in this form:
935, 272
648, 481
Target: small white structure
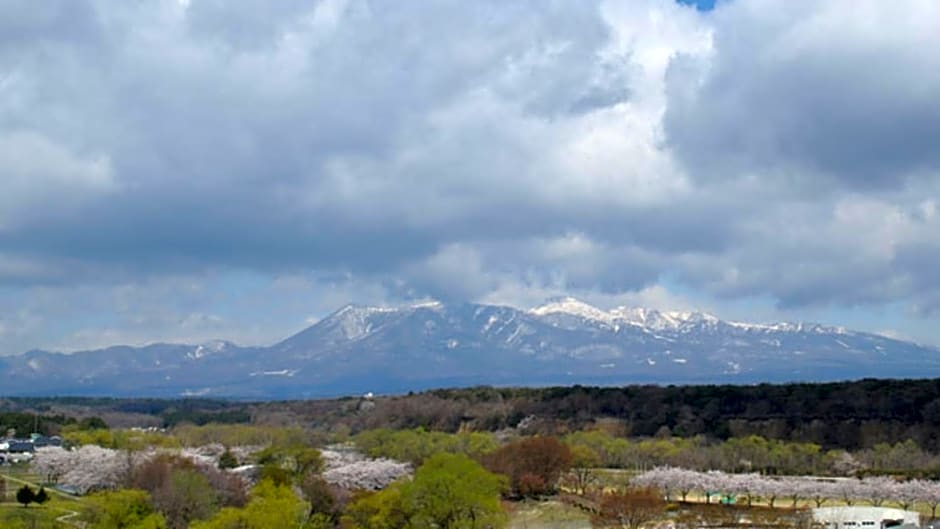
864, 517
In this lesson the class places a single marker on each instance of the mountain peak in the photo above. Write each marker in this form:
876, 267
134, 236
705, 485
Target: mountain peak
353, 308
663, 319
429, 344
353, 322
641, 316
572, 306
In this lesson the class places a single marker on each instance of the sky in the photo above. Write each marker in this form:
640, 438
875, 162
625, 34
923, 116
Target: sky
189, 170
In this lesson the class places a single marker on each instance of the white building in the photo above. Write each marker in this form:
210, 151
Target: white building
864, 517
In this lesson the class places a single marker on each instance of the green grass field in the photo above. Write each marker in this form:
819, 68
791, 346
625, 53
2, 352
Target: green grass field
54, 514
15, 516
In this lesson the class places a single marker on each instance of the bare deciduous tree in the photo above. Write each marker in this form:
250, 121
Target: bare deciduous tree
628, 509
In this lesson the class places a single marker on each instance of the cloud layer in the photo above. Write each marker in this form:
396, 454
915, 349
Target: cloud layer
169, 166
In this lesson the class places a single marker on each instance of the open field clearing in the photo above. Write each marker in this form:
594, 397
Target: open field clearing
59, 511
546, 515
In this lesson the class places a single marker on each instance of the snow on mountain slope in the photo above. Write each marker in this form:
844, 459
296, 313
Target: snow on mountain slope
573, 307
564, 341
208, 348
650, 319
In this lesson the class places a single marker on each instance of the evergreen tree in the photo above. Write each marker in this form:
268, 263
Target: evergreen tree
228, 459
42, 496
25, 495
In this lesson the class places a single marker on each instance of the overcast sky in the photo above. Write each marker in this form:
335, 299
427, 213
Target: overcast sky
185, 170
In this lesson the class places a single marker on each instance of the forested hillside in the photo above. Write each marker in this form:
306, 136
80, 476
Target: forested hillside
847, 415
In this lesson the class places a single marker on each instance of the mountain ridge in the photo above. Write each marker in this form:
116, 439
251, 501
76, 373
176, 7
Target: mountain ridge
359, 349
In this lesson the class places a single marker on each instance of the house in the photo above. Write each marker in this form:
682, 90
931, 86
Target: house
40, 441
14, 450
17, 446
865, 517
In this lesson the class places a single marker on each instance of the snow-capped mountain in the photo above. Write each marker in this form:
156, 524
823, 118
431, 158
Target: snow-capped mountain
395, 349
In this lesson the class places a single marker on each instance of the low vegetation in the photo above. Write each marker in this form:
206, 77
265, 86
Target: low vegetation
471, 458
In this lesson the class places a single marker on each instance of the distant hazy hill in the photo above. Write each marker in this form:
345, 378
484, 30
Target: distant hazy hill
384, 350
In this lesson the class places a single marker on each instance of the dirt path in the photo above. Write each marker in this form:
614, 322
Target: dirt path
67, 518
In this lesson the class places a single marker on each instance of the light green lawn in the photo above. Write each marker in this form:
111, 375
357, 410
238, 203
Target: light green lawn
56, 513
531, 514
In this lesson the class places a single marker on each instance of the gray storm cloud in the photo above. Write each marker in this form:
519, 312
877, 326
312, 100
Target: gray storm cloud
461, 150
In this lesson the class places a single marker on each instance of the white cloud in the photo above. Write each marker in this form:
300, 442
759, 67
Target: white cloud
812, 95
41, 177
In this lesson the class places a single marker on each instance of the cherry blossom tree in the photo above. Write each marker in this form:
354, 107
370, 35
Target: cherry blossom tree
350, 470
819, 491
50, 462
746, 484
907, 493
878, 489
772, 489
85, 469
680, 480
929, 493
713, 482
851, 490
657, 478
798, 489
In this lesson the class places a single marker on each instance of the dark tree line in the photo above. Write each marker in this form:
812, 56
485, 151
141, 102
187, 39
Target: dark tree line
847, 415
23, 411
47, 424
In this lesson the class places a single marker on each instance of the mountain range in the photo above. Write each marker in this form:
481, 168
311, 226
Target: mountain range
393, 350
